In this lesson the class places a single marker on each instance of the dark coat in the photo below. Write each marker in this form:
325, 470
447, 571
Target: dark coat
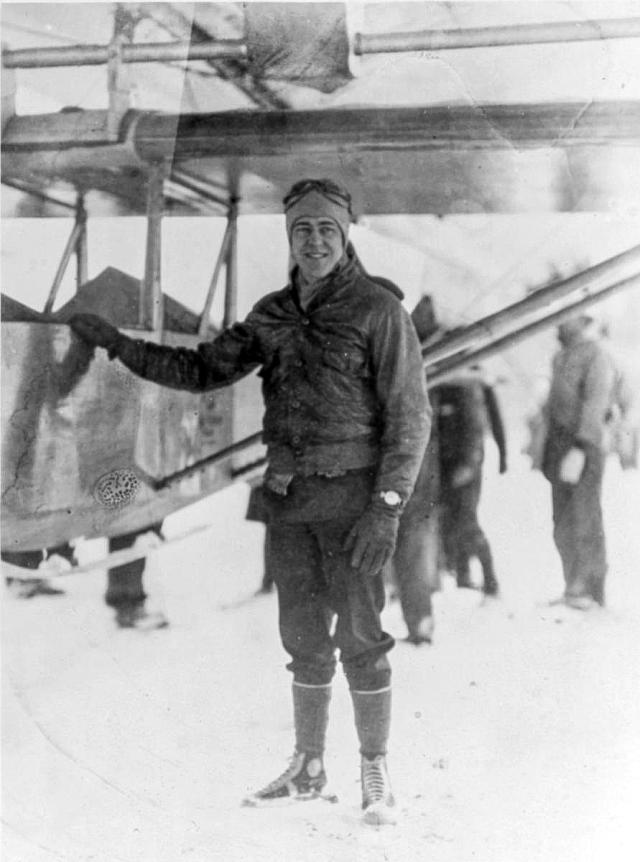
342, 380
466, 406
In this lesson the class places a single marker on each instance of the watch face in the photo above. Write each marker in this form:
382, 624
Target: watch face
391, 498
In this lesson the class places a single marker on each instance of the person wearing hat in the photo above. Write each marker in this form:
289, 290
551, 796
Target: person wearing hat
573, 459
346, 425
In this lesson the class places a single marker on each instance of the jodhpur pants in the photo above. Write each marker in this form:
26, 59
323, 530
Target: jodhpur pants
325, 605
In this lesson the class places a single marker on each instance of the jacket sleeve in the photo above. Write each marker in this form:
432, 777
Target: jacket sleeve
211, 365
595, 398
405, 412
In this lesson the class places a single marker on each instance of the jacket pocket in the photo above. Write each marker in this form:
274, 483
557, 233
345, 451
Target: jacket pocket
347, 361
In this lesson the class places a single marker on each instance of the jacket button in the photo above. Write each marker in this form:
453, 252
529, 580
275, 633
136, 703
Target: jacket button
295, 438
295, 403
305, 321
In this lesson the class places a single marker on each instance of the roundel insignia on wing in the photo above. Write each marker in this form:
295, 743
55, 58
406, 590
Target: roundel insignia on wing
117, 488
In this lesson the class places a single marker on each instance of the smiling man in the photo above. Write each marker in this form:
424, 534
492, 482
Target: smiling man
346, 424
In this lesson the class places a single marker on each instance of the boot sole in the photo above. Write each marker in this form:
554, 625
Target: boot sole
283, 801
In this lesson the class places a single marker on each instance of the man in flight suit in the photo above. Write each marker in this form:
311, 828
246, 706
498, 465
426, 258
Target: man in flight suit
346, 425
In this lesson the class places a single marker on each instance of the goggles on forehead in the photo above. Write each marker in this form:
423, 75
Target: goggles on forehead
328, 188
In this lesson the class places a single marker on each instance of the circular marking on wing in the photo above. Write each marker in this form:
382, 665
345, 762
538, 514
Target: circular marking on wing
117, 488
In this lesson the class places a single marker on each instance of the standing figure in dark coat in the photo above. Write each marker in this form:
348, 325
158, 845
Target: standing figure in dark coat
577, 410
346, 425
463, 407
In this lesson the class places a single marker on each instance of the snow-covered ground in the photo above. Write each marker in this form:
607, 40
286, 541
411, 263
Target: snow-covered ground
516, 735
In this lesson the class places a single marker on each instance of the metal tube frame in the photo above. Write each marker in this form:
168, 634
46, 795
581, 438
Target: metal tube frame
143, 52
213, 284
484, 37
77, 243
82, 261
231, 288
489, 328
446, 369
150, 307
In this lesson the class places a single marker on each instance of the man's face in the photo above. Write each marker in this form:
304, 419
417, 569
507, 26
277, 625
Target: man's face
316, 246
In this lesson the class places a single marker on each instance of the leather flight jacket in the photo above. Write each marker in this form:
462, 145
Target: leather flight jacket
342, 379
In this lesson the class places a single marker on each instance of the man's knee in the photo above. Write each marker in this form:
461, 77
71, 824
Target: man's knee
312, 672
371, 670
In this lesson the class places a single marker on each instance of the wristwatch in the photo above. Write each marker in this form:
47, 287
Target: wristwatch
390, 498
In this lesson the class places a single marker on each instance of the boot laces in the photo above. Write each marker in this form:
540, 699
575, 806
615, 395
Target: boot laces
374, 780
292, 771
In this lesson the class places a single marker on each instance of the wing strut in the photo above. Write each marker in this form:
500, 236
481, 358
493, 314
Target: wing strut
490, 328
150, 307
448, 367
77, 243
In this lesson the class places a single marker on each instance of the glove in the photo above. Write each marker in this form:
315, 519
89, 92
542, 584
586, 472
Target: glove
503, 466
571, 466
95, 331
372, 539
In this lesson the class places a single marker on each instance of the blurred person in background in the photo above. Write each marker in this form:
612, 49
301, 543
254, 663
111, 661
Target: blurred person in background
467, 406
576, 413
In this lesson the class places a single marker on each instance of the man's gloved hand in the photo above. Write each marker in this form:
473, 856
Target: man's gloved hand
95, 331
372, 539
572, 465
503, 465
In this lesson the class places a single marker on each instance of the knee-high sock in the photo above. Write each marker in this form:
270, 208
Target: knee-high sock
311, 716
372, 710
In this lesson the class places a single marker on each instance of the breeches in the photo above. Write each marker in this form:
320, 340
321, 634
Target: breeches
325, 605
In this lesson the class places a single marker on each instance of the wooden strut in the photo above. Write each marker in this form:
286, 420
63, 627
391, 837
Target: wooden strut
77, 243
213, 284
227, 256
150, 308
231, 287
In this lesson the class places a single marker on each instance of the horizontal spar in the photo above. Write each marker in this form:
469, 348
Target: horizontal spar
147, 52
286, 133
487, 37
